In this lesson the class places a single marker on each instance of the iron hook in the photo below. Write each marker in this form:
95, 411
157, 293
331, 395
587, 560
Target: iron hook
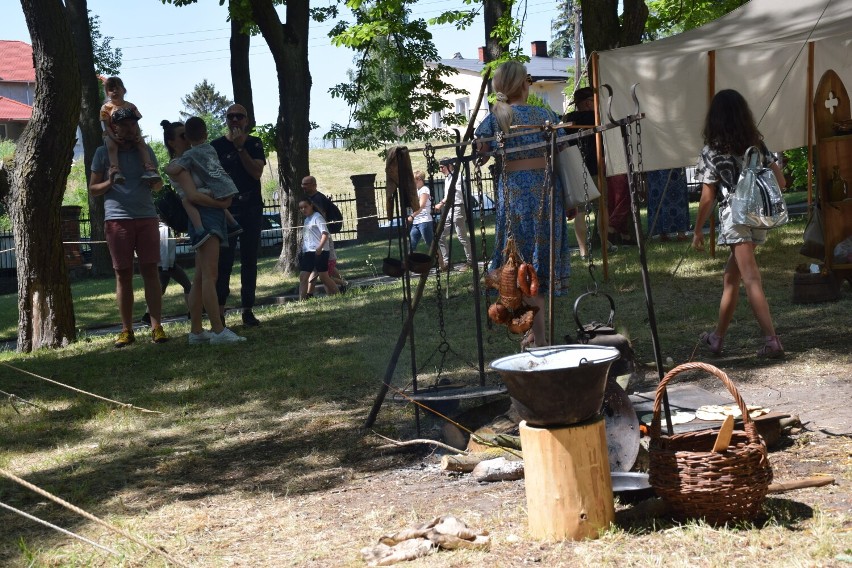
635, 98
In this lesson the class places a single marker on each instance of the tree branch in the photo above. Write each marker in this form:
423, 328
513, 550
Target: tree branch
398, 444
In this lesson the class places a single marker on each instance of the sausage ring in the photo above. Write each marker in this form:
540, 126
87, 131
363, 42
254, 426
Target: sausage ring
533, 283
524, 278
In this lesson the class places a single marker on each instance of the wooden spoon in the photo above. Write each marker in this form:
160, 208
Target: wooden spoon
725, 433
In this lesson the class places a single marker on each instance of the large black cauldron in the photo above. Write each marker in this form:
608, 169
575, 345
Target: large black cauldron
559, 385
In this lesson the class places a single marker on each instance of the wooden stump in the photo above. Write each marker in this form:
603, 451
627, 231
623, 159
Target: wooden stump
568, 484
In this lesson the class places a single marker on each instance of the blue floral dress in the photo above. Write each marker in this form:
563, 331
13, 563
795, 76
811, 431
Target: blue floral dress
667, 194
523, 205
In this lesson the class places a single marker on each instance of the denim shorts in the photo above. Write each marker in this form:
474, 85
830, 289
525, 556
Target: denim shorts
213, 219
730, 234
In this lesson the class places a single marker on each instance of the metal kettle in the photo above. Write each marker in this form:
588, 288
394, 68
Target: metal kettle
596, 333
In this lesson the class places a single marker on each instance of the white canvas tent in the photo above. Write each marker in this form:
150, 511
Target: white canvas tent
761, 49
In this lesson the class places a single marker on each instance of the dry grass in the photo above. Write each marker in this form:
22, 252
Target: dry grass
333, 168
261, 459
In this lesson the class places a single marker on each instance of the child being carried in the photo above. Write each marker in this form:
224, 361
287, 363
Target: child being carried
202, 162
114, 109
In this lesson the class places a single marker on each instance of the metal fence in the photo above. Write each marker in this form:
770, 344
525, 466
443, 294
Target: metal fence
271, 234
438, 187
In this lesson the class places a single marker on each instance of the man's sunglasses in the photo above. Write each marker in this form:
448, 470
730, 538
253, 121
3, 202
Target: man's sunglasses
236, 116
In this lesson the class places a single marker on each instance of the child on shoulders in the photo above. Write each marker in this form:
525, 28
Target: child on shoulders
115, 91
202, 162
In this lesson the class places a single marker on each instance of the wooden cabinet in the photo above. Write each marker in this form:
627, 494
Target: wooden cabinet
831, 104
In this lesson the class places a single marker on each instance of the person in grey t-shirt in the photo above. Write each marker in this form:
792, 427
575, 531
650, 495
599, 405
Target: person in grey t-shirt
131, 226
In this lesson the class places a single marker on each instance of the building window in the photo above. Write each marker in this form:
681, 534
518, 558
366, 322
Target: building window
3, 135
437, 119
463, 107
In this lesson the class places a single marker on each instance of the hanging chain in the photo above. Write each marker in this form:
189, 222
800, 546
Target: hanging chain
477, 180
632, 173
548, 170
431, 162
586, 209
443, 346
643, 187
504, 183
587, 213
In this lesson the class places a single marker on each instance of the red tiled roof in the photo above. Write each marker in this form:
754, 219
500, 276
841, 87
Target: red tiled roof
11, 110
16, 62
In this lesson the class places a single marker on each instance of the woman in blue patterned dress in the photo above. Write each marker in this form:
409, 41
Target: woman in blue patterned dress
523, 200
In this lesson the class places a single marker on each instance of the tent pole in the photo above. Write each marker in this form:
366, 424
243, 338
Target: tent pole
809, 113
603, 209
711, 92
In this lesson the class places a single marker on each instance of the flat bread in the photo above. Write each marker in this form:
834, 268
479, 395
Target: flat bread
716, 412
678, 417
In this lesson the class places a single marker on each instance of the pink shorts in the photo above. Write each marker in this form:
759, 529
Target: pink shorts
126, 236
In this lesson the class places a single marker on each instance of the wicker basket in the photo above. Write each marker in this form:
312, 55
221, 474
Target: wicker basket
697, 482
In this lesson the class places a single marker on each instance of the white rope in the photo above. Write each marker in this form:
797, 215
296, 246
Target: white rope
264, 231
90, 516
60, 529
122, 404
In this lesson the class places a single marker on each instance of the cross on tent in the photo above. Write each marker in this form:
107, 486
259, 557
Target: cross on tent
831, 102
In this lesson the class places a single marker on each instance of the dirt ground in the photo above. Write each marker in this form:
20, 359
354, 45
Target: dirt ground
811, 386
349, 505
398, 488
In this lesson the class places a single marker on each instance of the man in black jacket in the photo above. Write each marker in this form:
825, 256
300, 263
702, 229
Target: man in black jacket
242, 157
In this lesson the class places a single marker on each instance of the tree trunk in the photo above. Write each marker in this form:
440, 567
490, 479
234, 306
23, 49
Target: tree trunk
289, 46
601, 26
240, 70
42, 164
492, 13
90, 125
635, 17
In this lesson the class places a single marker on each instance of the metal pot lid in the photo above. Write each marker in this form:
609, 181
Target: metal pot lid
556, 358
622, 427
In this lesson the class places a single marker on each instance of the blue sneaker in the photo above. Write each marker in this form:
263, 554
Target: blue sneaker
200, 239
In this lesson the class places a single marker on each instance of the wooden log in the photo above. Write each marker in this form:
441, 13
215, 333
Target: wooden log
465, 463
498, 469
568, 484
472, 419
506, 423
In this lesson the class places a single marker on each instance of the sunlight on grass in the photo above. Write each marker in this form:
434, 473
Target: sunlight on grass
283, 414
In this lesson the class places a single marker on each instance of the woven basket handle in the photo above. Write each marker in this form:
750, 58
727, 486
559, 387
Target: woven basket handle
655, 430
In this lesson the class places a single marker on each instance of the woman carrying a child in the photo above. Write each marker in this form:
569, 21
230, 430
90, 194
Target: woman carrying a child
212, 216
